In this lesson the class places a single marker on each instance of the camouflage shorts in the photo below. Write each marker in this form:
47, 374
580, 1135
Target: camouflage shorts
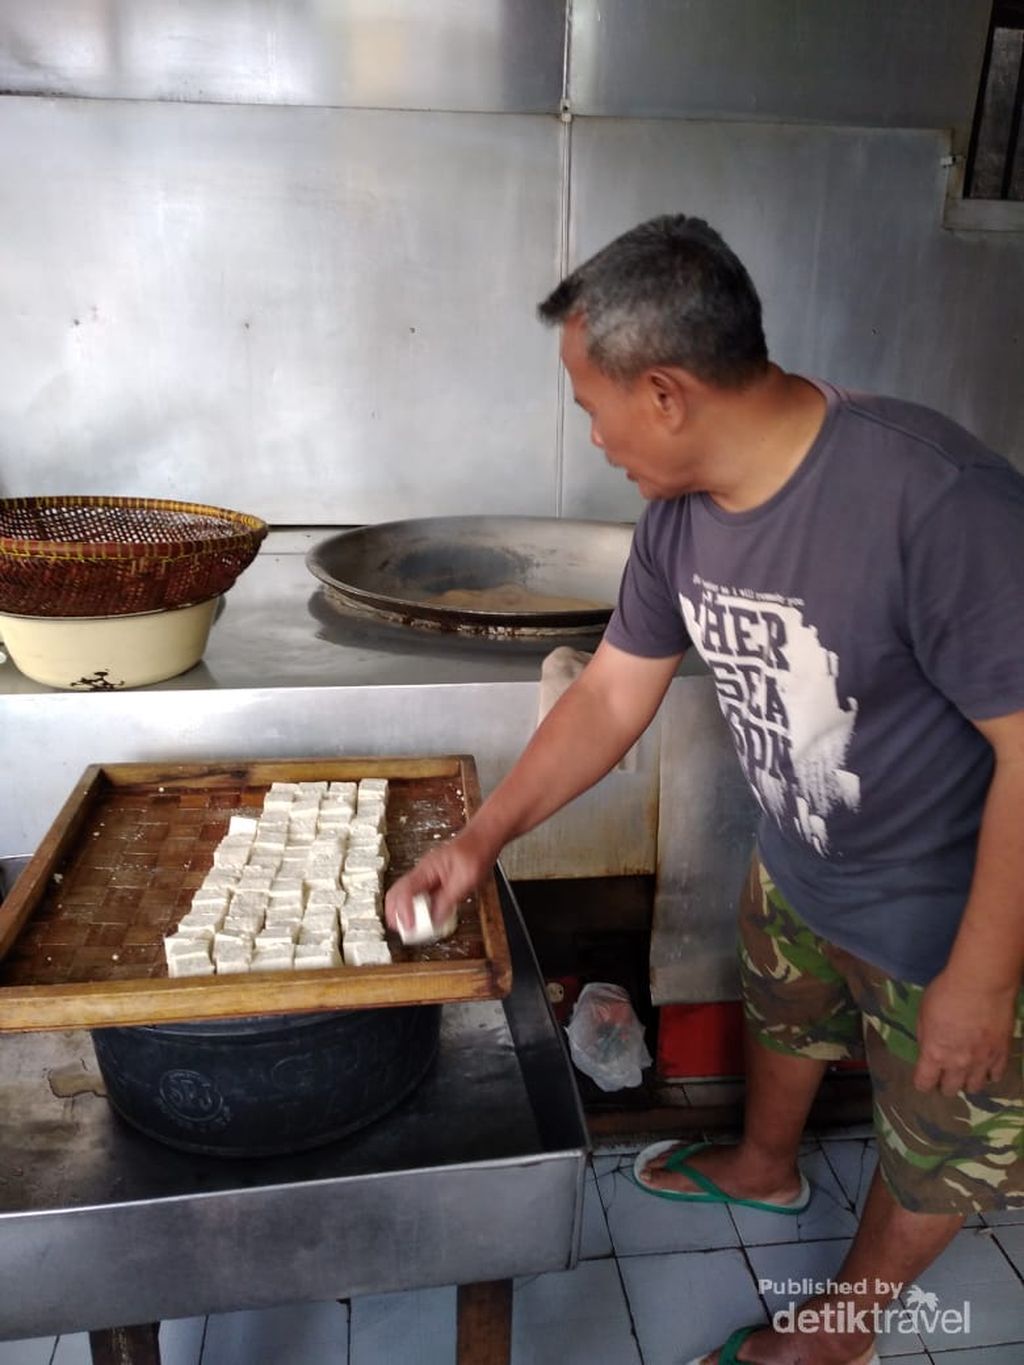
806, 997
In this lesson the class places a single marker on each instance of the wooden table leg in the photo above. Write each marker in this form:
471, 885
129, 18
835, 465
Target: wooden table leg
485, 1323
126, 1345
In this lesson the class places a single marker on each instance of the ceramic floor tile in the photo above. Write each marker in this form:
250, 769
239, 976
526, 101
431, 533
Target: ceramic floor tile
1011, 1239
573, 1316
854, 1165
1001, 1217
1010, 1354
789, 1274
301, 1334
417, 1328
29, 1351
621, 1161
827, 1215
73, 1349
640, 1222
689, 1302
181, 1341
595, 1241
973, 1270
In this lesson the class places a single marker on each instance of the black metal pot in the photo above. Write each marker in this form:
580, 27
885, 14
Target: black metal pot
269, 1085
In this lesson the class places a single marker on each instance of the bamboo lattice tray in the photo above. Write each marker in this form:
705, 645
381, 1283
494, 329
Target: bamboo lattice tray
81, 934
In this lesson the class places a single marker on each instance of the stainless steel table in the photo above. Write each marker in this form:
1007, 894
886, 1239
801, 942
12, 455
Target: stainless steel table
476, 1178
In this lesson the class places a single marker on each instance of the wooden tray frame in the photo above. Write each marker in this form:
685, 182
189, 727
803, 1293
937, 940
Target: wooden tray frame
95, 1004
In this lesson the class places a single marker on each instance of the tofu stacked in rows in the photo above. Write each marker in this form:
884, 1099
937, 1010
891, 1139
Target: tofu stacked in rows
294, 886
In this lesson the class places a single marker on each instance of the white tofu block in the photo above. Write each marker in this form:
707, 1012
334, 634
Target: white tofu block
300, 837
272, 826
320, 937
255, 879
245, 822
366, 953
219, 879
208, 899
242, 926
364, 886
336, 806
232, 856
365, 928
321, 914
269, 842
198, 928
371, 820
343, 791
370, 787
293, 864
280, 936
286, 893
264, 862
309, 955
313, 790
362, 906
194, 964
232, 942
272, 959
363, 860
280, 797
423, 929
328, 843
207, 911
186, 945
281, 928
351, 920
232, 966
322, 877
362, 836
320, 898
249, 902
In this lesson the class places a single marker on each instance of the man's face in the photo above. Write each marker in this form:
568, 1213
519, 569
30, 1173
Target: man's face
625, 421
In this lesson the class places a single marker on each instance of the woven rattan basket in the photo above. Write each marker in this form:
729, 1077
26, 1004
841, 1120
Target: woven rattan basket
97, 556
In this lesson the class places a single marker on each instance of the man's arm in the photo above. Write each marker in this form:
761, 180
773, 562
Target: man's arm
967, 1013
593, 724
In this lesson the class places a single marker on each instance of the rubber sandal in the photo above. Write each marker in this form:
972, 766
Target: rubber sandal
728, 1352
711, 1193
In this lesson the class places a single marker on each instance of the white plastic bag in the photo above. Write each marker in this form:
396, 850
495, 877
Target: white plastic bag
606, 1039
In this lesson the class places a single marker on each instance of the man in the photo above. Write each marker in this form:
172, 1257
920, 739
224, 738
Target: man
852, 571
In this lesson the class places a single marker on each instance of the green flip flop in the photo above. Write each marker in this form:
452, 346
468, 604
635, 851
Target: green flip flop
710, 1192
728, 1352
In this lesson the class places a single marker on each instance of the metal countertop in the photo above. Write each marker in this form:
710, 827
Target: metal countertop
476, 1176
275, 628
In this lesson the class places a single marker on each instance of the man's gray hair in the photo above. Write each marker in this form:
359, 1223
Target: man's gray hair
666, 293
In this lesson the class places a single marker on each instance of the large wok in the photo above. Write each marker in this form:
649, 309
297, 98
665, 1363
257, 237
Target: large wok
493, 576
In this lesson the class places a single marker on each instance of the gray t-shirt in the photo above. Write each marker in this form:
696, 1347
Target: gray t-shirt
855, 624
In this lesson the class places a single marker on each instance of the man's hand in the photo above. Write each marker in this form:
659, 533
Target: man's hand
446, 874
963, 1032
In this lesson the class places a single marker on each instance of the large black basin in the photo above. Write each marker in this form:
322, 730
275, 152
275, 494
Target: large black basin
268, 1085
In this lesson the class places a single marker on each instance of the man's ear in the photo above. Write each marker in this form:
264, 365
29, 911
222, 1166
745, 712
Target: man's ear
669, 397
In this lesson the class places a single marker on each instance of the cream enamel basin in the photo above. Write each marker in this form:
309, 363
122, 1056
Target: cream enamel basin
104, 653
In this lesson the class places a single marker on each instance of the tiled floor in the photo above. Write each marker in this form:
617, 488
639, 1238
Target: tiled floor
657, 1284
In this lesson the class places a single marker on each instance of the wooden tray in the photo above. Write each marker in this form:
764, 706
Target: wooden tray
81, 933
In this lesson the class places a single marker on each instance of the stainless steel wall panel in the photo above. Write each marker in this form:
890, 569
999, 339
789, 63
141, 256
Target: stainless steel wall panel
609, 831
325, 316
840, 229
500, 55
705, 839
890, 63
